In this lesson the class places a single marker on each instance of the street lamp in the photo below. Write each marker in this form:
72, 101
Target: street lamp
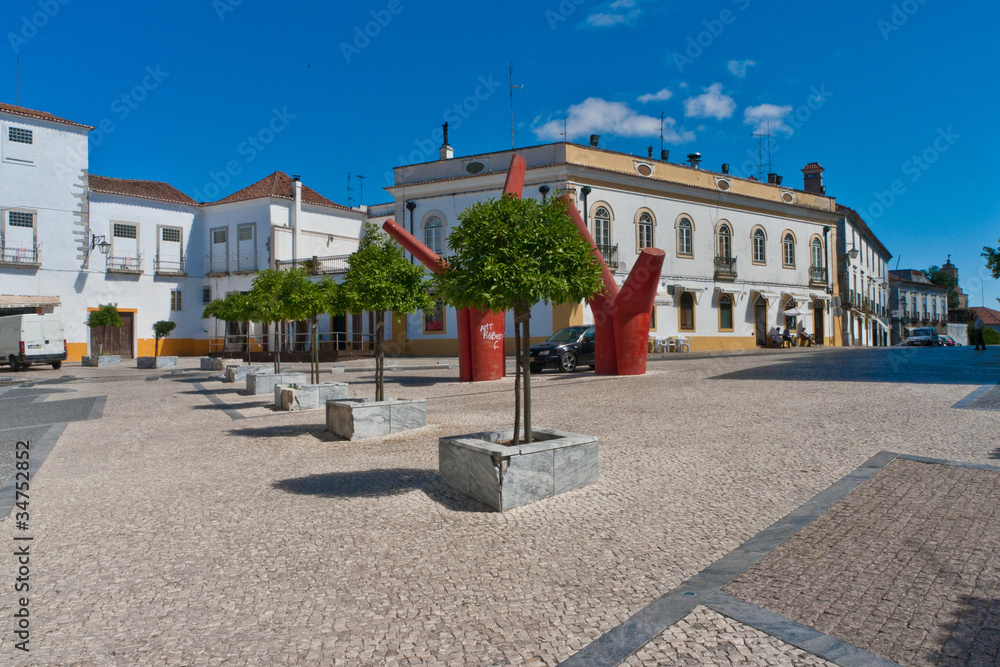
544, 190
100, 243
410, 205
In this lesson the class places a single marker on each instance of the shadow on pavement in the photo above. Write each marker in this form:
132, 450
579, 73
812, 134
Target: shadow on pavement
318, 431
380, 483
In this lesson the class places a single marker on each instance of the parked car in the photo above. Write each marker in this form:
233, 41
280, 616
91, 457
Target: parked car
948, 341
923, 337
565, 349
32, 339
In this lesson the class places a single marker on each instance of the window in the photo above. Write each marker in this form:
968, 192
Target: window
21, 219
685, 244
170, 235
434, 234
687, 311
175, 300
125, 231
652, 321
220, 236
602, 227
645, 231
206, 295
725, 242
725, 313
759, 252
20, 135
434, 319
817, 253
788, 250
244, 233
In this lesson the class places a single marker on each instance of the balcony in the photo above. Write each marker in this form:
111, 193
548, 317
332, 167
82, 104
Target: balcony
317, 265
125, 264
817, 276
725, 268
26, 258
610, 255
244, 264
163, 267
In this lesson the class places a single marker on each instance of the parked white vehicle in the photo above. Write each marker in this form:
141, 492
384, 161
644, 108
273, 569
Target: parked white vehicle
32, 339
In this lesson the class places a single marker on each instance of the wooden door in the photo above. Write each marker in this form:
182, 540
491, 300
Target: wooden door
818, 325
118, 340
760, 323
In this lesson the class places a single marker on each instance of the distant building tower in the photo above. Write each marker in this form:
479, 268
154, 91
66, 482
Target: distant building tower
952, 270
813, 178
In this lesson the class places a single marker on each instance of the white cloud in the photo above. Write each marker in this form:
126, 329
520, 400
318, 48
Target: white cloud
738, 68
711, 104
661, 96
610, 14
597, 116
768, 117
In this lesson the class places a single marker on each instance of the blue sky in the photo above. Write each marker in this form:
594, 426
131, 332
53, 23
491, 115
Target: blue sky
896, 99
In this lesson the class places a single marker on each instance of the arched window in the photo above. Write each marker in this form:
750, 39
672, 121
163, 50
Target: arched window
434, 234
602, 227
759, 252
645, 231
685, 244
687, 311
817, 254
725, 242
725, 313
788, 250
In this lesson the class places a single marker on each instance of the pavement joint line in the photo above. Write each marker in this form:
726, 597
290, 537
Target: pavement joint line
955, 464
794, 633
973, 397
235, 415
39, 451
617, 644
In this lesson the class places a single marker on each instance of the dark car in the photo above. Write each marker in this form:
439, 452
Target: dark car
565, 349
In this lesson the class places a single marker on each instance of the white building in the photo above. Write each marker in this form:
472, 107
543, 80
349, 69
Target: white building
740, 253
166, 254
864, 282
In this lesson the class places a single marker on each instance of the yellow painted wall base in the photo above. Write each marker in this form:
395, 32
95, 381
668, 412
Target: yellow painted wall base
76, 351
169, 347
715, 343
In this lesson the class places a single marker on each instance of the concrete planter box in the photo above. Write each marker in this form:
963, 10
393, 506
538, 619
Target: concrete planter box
357, 418
505, 477
239, 372
212, 364
106, 360
156, 362
264, 383
308, 396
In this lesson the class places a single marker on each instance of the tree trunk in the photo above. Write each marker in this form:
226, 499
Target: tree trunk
526, 360
249, 343
517, 381
277, 347
315, 347
379, 356
156, 346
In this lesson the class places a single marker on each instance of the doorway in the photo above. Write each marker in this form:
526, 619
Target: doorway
760, 321
119, 340
818, 324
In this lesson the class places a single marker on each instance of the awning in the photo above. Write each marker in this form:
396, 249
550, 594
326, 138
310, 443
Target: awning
800, 299
734, 294
663, 297
769, 297
885, 327
11, 301
820, 297
695, 292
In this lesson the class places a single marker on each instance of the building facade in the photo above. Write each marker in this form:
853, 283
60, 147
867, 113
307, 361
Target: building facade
743, 256
863, 265
916, 302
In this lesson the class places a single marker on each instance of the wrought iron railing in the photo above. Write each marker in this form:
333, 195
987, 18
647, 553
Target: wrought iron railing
817, 275
725, 267
125, 264
317, 265
610, 255
26, 256
168, 266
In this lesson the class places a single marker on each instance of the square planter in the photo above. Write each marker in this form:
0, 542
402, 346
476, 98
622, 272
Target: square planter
106, 360
308, 396
504, 477
264, 383
156, 362
357, 418
212, 364
239, 372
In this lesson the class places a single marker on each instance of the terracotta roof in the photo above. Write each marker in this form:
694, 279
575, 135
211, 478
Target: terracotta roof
863, 226
39, 115
153, 190
279, 186
990, 316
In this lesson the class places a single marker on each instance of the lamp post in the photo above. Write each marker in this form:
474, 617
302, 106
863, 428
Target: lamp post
410, 206
544, 190
100, 243
585, 190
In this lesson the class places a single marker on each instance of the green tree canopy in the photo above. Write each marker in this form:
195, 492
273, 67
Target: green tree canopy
105, 316
161, 329
992, 256
306, 299
939, 276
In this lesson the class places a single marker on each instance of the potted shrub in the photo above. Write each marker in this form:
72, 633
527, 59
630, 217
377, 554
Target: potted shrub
381, 281
161, 329
235, 307
105, 316
510, 254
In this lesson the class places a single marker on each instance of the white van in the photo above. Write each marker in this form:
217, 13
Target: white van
32, 339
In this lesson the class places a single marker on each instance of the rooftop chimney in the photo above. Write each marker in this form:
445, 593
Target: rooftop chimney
774, 179
650, 152
664, 155
447, 152
595, 139
813, 179
725, 168
694, 159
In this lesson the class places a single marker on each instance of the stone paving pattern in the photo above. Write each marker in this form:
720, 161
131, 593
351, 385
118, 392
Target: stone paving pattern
907, 567
169, 533
705, 637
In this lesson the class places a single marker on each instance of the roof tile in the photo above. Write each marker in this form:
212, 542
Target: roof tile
153, 190
39, 115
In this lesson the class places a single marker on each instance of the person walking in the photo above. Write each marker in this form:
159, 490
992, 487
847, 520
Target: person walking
978, 328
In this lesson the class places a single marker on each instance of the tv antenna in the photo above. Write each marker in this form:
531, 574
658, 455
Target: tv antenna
662, 118
350, 198
760, 152
361, 189
19, 79
512, 89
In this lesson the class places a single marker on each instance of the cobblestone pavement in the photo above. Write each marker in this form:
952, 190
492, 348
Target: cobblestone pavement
169, 533
907, 566
705, 637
